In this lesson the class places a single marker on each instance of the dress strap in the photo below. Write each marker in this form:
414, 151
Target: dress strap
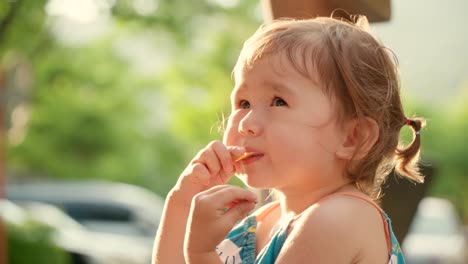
360, 196
370, 201
265, 210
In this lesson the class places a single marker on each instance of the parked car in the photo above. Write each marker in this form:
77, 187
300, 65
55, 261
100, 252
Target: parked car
80, 244
99, 206
436, 235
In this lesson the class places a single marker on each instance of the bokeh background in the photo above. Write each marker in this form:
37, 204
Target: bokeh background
128, 91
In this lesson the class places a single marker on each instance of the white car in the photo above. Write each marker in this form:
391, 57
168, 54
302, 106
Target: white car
83, 245
436, 235
99, 222
99, 206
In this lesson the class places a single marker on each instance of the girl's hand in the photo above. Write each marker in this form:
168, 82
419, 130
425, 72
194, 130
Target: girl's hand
212, 166
212, 215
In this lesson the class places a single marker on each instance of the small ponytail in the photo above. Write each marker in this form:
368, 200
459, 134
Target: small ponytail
407, 158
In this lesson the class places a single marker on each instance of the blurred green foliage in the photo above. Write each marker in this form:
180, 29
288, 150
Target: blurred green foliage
31, 242
444, 146
94, 114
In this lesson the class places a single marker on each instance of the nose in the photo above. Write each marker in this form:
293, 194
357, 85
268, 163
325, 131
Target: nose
251, 124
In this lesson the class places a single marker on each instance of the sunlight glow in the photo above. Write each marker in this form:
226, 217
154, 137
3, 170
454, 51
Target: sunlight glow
81, 11
19, 121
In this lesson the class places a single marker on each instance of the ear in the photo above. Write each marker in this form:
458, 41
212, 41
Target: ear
359, 137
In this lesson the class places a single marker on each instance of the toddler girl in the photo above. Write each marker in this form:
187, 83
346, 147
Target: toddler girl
316, 116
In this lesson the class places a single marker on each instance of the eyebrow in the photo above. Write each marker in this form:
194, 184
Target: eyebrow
275, 86
237, 90
278, 87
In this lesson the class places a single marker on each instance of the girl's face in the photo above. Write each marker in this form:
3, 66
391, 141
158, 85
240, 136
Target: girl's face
287, 122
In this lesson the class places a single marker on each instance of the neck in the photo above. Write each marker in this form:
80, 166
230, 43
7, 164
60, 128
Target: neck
295, 202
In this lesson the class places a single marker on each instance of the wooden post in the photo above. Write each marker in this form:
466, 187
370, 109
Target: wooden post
375, 10
401, 199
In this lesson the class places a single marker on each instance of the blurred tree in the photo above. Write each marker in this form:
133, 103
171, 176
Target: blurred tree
92, 112
450, 152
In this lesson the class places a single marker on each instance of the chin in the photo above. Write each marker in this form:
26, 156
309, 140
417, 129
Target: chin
254, 182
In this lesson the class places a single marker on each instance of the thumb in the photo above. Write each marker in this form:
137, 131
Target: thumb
239, 211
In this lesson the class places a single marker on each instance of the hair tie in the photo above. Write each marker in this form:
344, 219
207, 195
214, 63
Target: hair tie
411, 123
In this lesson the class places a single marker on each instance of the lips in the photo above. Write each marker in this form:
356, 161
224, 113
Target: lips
253, 157
249, 156
244, 156
251, 149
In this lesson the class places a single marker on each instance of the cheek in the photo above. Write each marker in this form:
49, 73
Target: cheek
325, 141
304, 142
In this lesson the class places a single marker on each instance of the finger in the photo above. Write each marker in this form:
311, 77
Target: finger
215, 189
199, 174
223, 155
210, 160
225, 176
235, 202
230, 193
209, 196
238, 211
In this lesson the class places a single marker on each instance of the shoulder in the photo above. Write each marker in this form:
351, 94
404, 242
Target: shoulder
340, 223
349, 212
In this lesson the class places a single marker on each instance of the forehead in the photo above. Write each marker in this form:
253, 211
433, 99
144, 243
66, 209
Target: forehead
301, 45
273, 86
308, 61
276, 72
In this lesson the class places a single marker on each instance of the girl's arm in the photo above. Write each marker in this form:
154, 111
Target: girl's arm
168, 247
212, 166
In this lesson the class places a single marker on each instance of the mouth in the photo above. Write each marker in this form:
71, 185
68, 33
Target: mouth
248, 156
244, 156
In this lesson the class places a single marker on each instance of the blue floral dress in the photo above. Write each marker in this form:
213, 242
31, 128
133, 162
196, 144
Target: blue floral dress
239, 245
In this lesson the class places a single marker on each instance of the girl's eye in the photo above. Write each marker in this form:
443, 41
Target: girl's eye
277, 101
244, 104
